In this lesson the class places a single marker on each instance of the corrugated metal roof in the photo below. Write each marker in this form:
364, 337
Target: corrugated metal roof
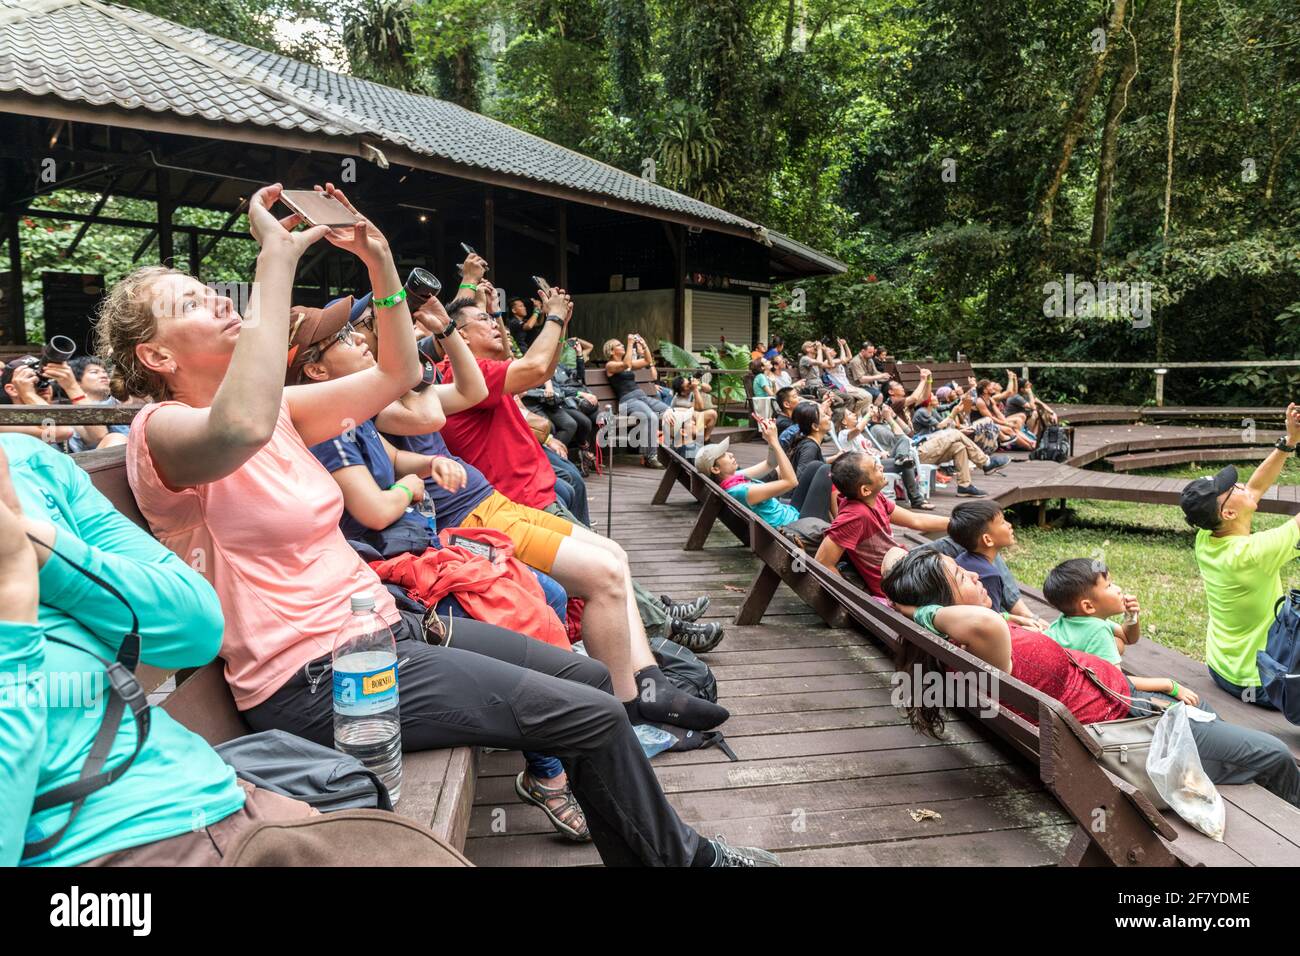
106, 55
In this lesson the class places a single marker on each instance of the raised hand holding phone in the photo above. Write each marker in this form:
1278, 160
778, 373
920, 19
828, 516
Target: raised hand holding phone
277, 236
363, 239
473, 268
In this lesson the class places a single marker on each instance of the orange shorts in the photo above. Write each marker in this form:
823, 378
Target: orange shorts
536, 534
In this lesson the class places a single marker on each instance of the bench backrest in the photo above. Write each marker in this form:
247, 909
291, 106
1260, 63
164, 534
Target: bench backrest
597, 383
909, 373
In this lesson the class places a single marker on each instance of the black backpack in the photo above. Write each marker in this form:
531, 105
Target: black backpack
1054, 445
684, 669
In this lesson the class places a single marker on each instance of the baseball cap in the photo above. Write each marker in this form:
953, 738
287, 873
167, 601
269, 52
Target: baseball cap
307, 326
13, 365
1200, 499
708, 456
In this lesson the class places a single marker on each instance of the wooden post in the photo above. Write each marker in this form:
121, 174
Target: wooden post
671, 471
758, 597
709, 510
194, 254
1160, 386
679, 288
17, 321
489, 227
166, 251
562, 244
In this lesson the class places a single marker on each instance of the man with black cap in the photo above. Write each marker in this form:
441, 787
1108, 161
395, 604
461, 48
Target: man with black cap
1241, 570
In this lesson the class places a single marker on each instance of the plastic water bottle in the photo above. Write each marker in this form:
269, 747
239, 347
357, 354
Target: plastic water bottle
366, 723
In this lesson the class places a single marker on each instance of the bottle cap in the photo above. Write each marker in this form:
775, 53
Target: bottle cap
363, 601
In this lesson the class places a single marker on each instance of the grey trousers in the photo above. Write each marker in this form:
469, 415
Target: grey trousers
495, 688
653, 613
1232, 754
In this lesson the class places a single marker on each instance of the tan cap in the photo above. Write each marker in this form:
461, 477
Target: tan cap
708, 456
308, 326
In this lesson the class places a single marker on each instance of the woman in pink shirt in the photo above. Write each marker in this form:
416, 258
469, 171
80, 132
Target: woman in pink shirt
221, 469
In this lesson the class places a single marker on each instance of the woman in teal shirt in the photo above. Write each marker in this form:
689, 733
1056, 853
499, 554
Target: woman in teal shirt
177, 783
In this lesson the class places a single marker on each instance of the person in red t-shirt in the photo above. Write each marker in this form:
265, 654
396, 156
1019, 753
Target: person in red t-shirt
933, 590
862, 529
494, 437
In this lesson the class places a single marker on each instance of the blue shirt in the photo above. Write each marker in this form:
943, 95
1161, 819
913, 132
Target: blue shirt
775, 512
989, 576
451, 506
177, 781
363, 446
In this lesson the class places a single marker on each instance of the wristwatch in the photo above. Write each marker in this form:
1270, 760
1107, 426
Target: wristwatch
1281, 445
557, 319
445, 333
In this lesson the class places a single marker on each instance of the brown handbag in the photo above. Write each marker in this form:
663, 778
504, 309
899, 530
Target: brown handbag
343, 838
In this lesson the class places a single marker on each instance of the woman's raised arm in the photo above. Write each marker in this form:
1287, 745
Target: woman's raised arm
323, 410
191, 445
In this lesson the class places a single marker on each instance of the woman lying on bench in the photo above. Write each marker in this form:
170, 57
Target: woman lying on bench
221, 469
931, 589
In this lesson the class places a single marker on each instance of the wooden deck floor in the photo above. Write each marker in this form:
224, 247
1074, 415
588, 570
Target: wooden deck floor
829, 772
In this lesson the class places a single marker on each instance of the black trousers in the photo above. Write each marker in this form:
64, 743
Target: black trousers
493, 687
812, 496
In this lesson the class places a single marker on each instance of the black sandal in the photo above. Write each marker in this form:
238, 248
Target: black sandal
567, 818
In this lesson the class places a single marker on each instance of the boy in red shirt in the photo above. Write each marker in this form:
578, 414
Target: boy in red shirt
862, 528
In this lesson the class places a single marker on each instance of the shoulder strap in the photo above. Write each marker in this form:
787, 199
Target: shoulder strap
1110, 692
124, 691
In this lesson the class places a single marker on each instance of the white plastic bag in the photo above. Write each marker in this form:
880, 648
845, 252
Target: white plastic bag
1175, 769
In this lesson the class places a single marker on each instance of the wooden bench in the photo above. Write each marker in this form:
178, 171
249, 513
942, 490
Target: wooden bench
1261, 825
437, 785
597, 382
909, 373
1185, 456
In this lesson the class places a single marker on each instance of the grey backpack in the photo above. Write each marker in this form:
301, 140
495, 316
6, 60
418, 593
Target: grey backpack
293, 767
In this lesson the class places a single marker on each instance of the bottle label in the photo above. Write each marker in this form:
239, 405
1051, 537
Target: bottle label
365, 693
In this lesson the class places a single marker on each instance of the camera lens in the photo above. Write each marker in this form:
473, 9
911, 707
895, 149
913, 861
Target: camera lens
59, 348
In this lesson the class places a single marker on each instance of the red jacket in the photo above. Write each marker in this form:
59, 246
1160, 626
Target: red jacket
505, 593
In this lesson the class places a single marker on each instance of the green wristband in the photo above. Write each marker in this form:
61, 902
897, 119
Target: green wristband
469, 285
1174, 690
410, 497
389, 300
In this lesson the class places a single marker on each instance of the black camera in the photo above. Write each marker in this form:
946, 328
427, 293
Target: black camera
59, 348
421, 286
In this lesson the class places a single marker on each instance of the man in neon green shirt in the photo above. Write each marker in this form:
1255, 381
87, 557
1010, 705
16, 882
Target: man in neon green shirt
1241, 571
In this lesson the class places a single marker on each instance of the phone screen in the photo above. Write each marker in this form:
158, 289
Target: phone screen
469, 250
317, 208
542, 285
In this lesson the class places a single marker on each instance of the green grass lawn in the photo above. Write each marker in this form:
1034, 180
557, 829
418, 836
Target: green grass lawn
1148, 549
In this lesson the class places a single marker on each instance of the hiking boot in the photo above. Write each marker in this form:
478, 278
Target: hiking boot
728, 855
647, 462
685, 610
970, 491
700, 638
996, 462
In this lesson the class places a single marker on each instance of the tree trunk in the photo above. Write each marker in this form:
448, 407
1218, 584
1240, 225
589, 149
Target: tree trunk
1078, 115
1107, 159
1169, 165
788, 39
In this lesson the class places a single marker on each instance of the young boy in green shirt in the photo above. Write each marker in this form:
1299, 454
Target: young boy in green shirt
1082, 590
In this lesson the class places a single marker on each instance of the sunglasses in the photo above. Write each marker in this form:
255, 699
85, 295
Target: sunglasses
1228, 498
342, 337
